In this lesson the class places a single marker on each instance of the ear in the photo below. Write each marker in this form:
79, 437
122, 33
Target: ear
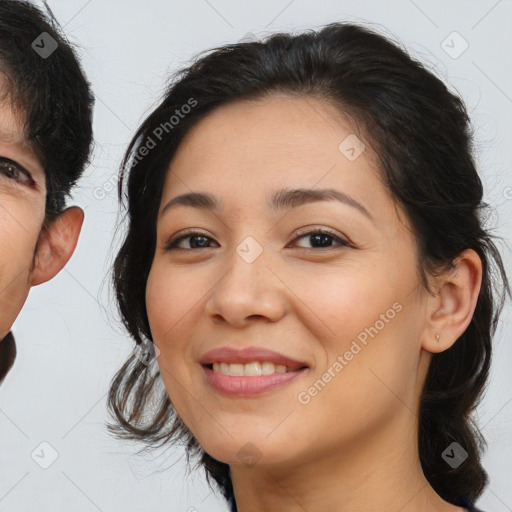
451, 309
56, 244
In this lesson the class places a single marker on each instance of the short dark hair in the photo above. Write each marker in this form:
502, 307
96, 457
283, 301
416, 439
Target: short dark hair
52, 94
421, 134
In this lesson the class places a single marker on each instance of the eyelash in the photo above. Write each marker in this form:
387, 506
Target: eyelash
171, 246
9, 167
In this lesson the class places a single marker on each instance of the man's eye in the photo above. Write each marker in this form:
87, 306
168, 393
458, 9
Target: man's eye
15, 172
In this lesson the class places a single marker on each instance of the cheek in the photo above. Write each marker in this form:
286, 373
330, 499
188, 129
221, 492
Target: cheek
172, 298
19, 230
336, 306
365, 322
170, 295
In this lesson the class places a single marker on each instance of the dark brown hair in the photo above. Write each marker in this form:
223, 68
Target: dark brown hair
422, 136
52, 94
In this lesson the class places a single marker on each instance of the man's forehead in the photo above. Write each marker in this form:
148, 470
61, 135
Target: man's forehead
12, 127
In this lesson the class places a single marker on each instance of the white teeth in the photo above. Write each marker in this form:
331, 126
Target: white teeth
253, 369
236, 369
268, 368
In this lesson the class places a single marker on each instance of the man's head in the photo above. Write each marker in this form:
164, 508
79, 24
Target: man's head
45, 140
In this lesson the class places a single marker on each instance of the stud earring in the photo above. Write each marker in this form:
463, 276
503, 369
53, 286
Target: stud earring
437, 336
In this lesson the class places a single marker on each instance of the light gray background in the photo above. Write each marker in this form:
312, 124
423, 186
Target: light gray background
69, 341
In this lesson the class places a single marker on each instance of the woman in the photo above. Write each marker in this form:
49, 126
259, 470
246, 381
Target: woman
305, 252
45, 137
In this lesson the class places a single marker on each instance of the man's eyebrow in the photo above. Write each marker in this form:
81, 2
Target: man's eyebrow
6, 138
282, 199
21, 144
6, 134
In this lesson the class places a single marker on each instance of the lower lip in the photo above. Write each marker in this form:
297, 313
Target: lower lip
244, 386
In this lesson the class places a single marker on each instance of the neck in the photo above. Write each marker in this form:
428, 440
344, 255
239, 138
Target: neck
379, 470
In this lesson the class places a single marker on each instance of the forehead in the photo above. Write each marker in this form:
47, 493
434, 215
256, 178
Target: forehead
270, 143
11, 119
275, 121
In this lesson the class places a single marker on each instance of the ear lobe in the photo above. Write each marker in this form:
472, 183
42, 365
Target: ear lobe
451, 310
56, 245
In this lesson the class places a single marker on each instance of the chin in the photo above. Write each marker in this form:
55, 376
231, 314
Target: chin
247, 450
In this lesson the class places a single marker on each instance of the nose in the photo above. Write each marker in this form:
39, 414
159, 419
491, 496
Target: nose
249, 289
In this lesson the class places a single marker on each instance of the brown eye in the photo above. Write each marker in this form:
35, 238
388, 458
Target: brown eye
322, 239
15, 172
192, 235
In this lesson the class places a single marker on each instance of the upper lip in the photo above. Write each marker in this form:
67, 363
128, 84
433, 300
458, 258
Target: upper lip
249, 355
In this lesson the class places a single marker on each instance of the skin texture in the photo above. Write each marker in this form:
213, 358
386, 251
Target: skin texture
30, 252
353, 447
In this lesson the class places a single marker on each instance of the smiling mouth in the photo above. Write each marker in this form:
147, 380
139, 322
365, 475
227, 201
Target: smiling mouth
252, 369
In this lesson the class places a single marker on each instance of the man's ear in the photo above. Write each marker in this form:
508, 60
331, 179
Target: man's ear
56, 244
451, 309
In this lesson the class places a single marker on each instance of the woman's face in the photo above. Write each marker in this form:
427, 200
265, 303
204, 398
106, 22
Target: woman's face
257, 288
22, 208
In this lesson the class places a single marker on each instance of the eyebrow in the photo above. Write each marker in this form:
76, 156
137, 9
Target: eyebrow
22, 145
282, 199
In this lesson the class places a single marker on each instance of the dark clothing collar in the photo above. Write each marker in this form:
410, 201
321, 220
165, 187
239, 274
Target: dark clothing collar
7, 355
